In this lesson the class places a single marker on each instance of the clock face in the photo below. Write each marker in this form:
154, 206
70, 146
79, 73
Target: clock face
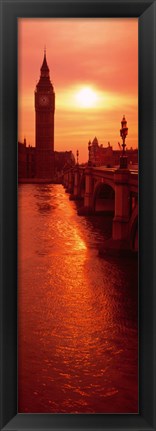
43, 100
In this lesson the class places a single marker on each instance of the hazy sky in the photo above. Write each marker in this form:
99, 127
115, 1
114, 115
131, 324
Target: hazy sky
94, 69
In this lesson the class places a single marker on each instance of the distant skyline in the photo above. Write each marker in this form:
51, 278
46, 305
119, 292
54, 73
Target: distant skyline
94, 69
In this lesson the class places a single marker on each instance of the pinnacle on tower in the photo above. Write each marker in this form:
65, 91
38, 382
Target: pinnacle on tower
44, 67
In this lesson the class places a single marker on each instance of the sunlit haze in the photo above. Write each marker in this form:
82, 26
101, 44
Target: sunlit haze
86, 97
94, 70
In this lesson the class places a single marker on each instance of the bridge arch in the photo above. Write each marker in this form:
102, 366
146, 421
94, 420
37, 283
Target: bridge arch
104, 198
133, 230
71, 182
82, 186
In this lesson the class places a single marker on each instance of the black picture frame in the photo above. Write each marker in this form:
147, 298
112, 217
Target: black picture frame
145, 10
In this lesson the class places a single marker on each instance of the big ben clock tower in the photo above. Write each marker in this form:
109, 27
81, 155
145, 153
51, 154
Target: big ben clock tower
44, 124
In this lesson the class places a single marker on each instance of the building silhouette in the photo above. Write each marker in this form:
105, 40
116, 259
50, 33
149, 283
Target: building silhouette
106, 156
42, 162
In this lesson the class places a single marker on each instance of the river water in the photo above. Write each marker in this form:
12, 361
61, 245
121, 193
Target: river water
77, 312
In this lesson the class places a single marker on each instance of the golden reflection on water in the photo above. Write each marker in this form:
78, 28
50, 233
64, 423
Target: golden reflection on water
77, 312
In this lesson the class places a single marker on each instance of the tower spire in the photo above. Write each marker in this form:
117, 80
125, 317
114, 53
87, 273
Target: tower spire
44, 67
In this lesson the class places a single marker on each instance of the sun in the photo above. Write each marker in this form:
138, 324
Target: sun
86, 97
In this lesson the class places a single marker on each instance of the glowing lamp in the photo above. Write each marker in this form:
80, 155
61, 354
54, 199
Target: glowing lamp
89, 148
123, 132
77, 156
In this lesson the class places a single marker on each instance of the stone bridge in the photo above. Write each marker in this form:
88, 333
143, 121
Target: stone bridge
108, 191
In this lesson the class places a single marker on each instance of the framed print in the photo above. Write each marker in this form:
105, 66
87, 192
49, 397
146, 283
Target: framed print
78, 212
83, 253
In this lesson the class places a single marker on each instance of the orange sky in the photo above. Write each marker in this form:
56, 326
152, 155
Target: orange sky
98, 54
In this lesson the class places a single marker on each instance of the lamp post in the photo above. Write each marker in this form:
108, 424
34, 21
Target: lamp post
89, 148
77, 156
123, 134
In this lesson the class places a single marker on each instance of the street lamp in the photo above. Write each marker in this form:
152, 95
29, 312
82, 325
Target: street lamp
77, 156
123, 134
89, 148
